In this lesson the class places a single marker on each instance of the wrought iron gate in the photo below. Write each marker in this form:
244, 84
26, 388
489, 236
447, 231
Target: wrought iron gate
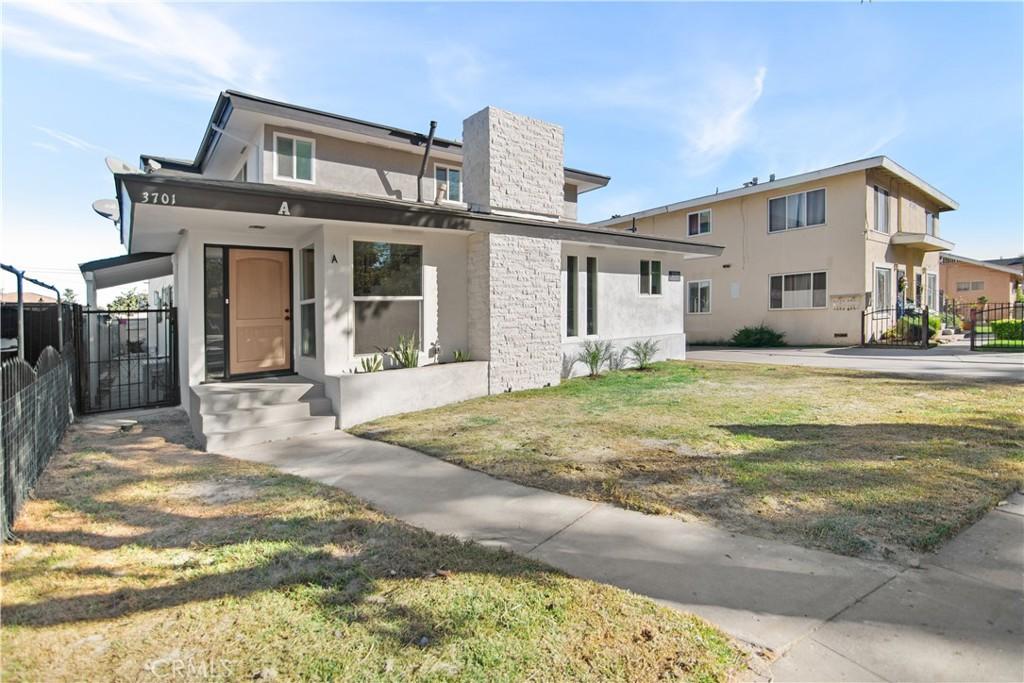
896, 327
128, 359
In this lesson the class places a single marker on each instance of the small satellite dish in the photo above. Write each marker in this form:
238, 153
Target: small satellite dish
107, 208
117, 166
152, 165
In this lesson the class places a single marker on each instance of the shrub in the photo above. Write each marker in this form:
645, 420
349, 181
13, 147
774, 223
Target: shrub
594, 355
908, 329
758, 335
1008, 329
643, 352
405, 354
373, 364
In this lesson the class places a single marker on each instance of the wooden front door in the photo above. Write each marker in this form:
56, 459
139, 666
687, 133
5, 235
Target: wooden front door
259, 293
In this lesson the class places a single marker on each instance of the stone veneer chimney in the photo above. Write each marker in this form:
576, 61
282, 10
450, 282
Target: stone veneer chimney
513, 164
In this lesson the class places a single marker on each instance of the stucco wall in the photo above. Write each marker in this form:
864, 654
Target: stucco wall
997, 286
513, 163
514, 287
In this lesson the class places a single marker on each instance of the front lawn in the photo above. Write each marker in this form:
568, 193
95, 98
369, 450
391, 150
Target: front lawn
857, 463
141, 559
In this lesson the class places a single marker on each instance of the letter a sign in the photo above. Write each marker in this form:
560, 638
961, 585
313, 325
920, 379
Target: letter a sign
283, 211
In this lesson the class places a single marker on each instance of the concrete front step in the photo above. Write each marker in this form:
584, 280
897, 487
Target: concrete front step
219, 398
277, 431
263, 415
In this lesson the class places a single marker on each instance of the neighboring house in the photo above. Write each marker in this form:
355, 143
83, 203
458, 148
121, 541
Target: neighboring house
27, 297
304, 242
807, 254
965, 280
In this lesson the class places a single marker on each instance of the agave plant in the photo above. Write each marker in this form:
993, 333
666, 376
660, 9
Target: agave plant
595, 355
643, 351
405, 354
372, 364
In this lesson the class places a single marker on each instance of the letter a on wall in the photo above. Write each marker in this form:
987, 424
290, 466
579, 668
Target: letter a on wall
283, 211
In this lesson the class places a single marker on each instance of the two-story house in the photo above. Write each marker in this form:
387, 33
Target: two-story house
301, 243
807, 254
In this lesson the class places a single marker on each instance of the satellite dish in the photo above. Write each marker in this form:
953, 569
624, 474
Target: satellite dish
153, 165
107, 208
117, 166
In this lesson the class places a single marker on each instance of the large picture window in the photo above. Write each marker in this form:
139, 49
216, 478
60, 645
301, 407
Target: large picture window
387, 288
798, 210
798, 290
293, 158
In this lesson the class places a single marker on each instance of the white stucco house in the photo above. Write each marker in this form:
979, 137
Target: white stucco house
300, 242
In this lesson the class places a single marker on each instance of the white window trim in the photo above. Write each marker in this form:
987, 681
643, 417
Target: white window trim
448, 167
768, 207
893, 294
576, 299
586, 295
931, 293
352, 288
798, 308
711, 225
650, 279
888, 211
312, 160
700, 282
306, 302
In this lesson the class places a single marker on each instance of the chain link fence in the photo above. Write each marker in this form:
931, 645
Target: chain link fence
37, 408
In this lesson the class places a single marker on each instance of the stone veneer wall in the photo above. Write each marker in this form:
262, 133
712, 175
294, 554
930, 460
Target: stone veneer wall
513, 163
514, 309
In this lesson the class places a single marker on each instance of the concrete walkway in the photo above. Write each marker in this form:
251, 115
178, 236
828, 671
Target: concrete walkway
952, 361
830, 617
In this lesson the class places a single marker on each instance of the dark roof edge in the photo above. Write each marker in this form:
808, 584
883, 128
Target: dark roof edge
124, 260
220, 115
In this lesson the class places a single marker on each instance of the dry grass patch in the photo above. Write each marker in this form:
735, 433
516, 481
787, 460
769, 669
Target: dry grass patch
858, 463
142, 559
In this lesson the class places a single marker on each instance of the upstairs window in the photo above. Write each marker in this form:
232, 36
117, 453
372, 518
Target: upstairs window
929, 222
881, 209
797, 210
448, 183
293, 158
698, 222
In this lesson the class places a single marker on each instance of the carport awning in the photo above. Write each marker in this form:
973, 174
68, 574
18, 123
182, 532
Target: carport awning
122, 270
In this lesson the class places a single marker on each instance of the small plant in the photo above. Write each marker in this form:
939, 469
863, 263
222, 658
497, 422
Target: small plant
595, 355
405, 354
758, 335
460, 356
643, 352
372, 364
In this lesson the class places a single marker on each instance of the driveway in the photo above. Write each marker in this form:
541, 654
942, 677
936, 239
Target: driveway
949, 361
823, 616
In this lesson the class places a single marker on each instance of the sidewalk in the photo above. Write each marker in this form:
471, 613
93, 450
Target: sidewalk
950, 361
831, 617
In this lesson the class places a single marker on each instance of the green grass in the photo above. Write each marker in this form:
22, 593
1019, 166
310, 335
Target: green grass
857, 463
1004, 345
142, 559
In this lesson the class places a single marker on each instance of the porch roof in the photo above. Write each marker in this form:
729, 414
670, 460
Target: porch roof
277, 200
922, 241
121, 270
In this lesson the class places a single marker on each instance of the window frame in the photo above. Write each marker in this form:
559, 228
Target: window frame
295, 166
352, 288
699, 283
889, 295
888, 211
448, 168
931, 292
572, 296
930, 223
783, 307
590, 307
697, 214
963, 285
786, 197
309, 301
650, 278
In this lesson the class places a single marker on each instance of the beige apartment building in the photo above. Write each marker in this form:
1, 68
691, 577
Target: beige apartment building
965, 280
808, 254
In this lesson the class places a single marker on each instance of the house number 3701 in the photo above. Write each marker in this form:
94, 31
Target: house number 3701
159, 198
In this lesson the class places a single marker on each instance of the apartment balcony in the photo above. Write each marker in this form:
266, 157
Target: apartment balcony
922, 241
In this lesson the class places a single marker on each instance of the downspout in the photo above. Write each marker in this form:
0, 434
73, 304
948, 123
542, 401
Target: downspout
423, 164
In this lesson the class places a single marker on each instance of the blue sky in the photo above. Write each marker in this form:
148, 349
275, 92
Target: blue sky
671, 100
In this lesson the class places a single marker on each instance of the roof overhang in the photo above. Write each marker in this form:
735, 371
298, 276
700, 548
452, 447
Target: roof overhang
943, 201
983, 264
183, 191
231, 101
122, 270
921, 241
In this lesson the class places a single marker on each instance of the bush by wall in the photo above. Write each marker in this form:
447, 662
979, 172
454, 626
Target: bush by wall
758, 335
1008, 329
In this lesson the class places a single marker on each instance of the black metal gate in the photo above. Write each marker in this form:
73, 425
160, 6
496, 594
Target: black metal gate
995, 327
128, 359
906, 328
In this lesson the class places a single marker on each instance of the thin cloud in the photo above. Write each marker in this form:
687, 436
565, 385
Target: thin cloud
68, 139
722, 126
45, 145
178, 48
